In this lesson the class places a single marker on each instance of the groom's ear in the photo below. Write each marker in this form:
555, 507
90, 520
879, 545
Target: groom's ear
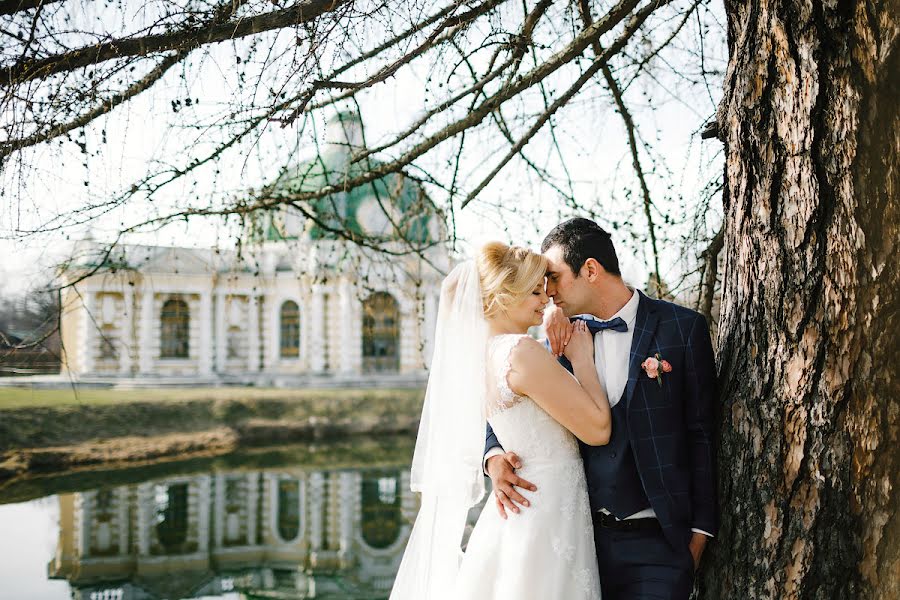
591, 269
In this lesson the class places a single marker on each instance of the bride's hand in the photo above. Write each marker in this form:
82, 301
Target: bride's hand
581, 345
559, 329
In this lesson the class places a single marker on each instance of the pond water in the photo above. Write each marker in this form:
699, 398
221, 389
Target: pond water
313, 521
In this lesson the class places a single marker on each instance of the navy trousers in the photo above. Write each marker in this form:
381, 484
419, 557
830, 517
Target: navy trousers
642, 565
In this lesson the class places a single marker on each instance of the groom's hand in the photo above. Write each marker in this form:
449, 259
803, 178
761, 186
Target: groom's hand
559, 329
696, 546
502, 471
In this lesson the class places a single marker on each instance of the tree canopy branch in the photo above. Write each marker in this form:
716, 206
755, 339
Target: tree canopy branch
102, 108
11, 7
185, 39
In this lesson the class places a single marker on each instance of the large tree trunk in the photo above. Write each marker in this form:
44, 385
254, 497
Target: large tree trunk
808, 337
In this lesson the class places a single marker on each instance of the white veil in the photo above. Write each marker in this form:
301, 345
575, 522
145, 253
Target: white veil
446, 467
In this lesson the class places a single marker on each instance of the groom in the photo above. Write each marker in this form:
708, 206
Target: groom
652, 488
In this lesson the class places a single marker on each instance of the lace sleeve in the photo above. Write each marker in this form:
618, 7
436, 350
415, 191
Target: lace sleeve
500, 396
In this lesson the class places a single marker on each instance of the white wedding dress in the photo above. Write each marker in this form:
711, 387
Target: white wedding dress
546, 551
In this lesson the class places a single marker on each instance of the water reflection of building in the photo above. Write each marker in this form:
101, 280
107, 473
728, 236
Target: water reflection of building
300, 533
296, 302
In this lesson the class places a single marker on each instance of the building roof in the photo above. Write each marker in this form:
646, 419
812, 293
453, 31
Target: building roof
151, 259
391, 207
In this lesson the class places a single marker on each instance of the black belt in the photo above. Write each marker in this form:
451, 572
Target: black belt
610, 522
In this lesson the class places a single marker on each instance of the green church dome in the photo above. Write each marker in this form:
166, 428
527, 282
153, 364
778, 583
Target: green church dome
391, 207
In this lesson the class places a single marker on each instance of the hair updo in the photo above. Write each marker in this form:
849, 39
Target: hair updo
508, 274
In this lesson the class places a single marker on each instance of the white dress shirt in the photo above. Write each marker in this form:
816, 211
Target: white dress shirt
612, 350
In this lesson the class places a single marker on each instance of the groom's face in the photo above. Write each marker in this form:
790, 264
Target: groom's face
568, 292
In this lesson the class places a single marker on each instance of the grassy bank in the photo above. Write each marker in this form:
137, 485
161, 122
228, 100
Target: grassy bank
29, 398
45, 430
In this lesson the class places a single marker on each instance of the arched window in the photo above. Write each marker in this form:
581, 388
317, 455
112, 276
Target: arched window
171, 512
108, 343
381, 333
290, 330
104, 543
174, 330
235, 343
234, 525
288, 509
381, 510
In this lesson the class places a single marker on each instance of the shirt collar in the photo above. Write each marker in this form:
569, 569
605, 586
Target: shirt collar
627, 313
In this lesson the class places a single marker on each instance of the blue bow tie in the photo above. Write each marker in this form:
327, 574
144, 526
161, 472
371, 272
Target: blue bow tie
617, 324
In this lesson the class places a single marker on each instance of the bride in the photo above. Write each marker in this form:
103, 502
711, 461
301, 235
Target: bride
485, 368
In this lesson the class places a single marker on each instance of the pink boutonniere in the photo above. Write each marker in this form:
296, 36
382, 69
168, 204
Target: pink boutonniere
655, 366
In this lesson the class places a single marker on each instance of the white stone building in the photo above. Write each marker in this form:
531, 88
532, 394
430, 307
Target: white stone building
297, 305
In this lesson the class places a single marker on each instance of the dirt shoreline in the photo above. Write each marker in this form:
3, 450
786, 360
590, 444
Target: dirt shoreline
56, 438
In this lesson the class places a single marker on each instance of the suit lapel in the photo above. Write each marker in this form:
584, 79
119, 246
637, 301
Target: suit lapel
644, 326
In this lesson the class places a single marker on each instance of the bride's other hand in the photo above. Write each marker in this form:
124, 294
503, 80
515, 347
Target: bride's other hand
559, 329
502, 471
581, 346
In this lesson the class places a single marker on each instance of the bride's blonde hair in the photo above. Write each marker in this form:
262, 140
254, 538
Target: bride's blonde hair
508, 274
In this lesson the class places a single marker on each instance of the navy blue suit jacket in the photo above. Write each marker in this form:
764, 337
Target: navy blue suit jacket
671, 426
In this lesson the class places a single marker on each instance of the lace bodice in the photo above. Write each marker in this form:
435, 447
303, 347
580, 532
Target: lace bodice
519, 423
500, 396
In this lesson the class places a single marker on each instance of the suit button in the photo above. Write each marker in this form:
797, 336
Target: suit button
612, 455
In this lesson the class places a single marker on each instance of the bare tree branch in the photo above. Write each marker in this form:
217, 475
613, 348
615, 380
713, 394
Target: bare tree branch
102, 108
185, 39
573, 49
11, 7
710, 258
448, 28
537, 126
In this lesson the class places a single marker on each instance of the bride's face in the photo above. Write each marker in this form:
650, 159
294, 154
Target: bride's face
530, 311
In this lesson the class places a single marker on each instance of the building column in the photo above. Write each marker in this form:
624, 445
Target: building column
317, 331
272, 331
122, 518
219, 512
89, 332
252, 503
356, 331
220, 332
145, 331
126, 339
409, 338
431, 309
345, 299
316, 499
253, 333
205, 354
350, 483
270, 506
203, 516
82, 506
144, 506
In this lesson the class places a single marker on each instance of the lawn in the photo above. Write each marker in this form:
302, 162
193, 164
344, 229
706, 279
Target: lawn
11, 398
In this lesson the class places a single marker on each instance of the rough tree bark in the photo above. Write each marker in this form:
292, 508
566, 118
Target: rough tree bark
808, 342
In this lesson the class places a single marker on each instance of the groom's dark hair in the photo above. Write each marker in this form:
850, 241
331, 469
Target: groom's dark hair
581, 239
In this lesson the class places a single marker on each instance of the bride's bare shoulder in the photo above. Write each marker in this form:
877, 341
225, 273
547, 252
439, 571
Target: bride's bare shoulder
532, 367
528, 353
